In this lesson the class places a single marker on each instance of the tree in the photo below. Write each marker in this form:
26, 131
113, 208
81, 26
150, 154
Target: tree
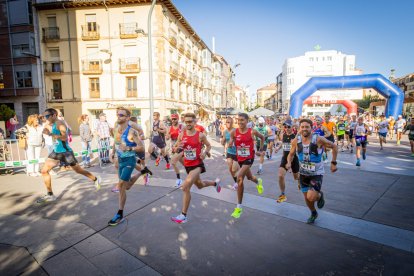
339, 108
366, 100
6, 112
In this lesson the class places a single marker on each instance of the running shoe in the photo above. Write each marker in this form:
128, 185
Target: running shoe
352, 150
312, 218
115, 189
179, 219
281, 198
178, 183
117, 219
218, 187
146, 179
237, 212
364, 156
398, 142
358, 163
235, 186
167, 166
97, 182
259, 186
45, 199
157, 161
267, 155
259, 172
321, 201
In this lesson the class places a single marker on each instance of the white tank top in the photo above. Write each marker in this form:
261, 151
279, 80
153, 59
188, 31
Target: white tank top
360, 130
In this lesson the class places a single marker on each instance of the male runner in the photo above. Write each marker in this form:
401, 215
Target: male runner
266, 132
158, 140
341, 128
231, 157
351, 126
382, 130
173, 132
361, 131
309, 148
410, 128
126, 145
61, 152
399, 126
286, 137
271, 139
331, 127
192, 141
243, 138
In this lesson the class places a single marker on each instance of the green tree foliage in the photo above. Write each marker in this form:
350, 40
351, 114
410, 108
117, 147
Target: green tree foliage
366, 100
6, 112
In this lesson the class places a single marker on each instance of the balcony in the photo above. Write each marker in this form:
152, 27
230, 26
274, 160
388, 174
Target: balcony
131, 93
172, 37
94, 94
195, 56
182, 75
174, 69
55, 95
53, 67
128, 30
181, 46
92, 67
196, 80
129, 65
50, 34
90, 31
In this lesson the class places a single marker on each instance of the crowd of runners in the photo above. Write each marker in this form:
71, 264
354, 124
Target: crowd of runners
307, 144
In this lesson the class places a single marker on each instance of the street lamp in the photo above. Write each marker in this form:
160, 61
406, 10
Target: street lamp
151, 88
232, 74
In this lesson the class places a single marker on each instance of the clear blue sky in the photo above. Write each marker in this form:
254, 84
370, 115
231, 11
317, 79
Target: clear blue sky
262, 34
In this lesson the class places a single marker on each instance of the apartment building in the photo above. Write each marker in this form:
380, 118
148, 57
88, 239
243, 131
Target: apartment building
265, 93
96, 59
21, 86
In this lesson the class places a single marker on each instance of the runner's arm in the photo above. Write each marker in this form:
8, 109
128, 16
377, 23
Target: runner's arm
63, 137
137, 140
205, 141
322, 141
231, 141
292, 152
137, 128
162, 128
326, 132
178, 143
279, 143
260, 136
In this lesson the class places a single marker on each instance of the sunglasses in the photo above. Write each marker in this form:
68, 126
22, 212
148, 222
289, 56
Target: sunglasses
286, 126
121, 115
174, 119
188, 122
48, 115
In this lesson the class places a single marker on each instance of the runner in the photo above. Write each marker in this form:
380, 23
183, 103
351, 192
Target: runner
126, 145
61, 152
410, 128
266, 132
351, 126
382, 130
271, 140
309, 148
331, 127
192, 141
243, 139
286, 137
361, 131
173, 132
231, 157
399, 126
158, 140
391, 127
341, 128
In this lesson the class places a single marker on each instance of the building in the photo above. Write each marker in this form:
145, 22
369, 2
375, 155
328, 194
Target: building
21, 85
271, 103
265, 93
96, 59
406, 84
241, 97
298, 70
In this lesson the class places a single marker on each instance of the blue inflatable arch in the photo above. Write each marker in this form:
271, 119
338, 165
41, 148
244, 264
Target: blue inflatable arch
393, 95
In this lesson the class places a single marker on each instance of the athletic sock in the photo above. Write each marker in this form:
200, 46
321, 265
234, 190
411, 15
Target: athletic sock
178, 176
121, 213
235, 179
154, 155
314, 213
50, 193
184, 214
166, 159
239, 206
283, 193
260, 166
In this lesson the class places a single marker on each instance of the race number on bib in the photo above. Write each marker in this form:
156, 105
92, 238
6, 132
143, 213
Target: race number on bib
286, 147
190, 154
243, 152
308, 167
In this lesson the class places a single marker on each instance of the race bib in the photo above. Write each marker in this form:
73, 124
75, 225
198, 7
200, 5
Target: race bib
286, 147
155, 133
308, 166
243, 152
190, 154
341, 128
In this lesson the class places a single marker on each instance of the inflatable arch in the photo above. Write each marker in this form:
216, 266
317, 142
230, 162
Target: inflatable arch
351, 107
394, 96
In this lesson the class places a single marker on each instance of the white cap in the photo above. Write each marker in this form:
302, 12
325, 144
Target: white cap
261, 120
399, 116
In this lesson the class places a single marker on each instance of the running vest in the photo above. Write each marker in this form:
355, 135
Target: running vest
310, 157
319, 131
230, 149
341, 127
262, 130
244, 145
286, 140
156, 136
174, 132
192, 149
273, 129
59, 145
352, 125
124, 140
360, 131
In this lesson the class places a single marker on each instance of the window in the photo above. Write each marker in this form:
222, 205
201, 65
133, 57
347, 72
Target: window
329, 58
94, 89
131, 83
20, 50
91, 22
24, 79
54, 53
311, 59
57, 90
51, 21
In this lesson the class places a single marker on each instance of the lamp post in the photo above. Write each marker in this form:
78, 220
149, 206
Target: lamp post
232, 74
150, 73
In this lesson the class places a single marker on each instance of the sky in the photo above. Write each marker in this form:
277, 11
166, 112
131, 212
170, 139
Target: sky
261, 34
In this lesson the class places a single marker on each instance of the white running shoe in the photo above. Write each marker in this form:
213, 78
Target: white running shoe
218, 187
178, 183
45, 199
235, 186
97, 183
179, 219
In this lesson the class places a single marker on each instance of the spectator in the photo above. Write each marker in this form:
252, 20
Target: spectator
34, 137
217, 124
12, 126
85, 134
103, 130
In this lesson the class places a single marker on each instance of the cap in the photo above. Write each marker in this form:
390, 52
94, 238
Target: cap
174, 116
318, 119
399, 116
261, 120
288, 123
102, 114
